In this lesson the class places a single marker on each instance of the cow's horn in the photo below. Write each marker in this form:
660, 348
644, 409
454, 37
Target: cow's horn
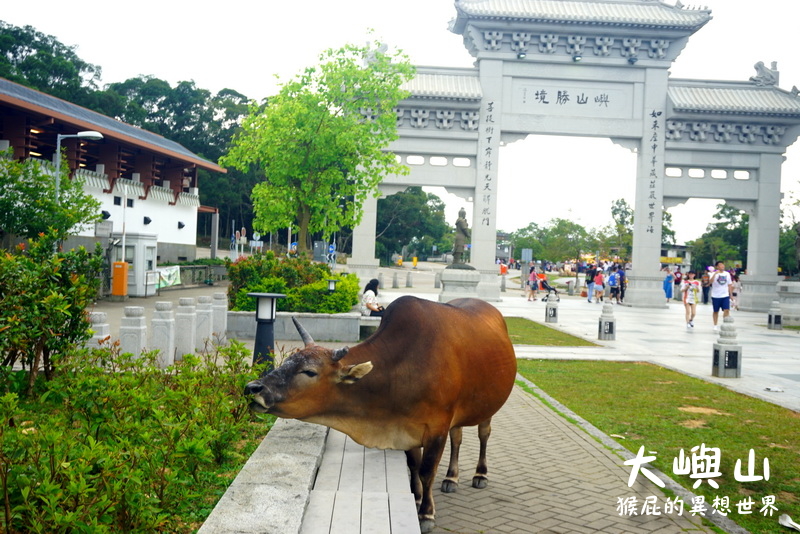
338, 354
304, 335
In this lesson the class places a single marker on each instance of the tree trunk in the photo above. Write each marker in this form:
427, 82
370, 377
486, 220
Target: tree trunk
303, 220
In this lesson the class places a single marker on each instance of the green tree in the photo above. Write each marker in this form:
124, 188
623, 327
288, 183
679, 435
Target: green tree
40, 61
725, 239
413, 219
622, 214
321, 141
28, 205
528, 237
563, 239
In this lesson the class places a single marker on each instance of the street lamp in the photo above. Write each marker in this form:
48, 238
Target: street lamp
266, 310
332, 284
88, 134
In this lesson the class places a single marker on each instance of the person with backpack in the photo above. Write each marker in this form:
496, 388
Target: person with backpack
590, 274
613, 284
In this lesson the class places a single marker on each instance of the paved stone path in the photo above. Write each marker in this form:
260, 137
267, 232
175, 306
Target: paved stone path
546, 475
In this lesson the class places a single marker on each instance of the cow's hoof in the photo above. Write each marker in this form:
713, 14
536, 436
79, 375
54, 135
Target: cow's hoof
426, 525
480, 482
449, 486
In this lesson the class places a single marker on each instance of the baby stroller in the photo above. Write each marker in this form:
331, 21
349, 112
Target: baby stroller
550, 291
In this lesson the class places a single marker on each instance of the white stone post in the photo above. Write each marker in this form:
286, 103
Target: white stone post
185, 327
133, 331
607, 325
409, 281
162, 337
204, 323
100, 329
727, 353
219, 314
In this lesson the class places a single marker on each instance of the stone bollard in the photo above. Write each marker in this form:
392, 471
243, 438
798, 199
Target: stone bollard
409, 281
502, 283
185, 327
204, 326
607, 325
551, 311
380, 281
395, 283
133, 331
727, 356
437, 281
219, 316
162, 337
100, 329
774, 319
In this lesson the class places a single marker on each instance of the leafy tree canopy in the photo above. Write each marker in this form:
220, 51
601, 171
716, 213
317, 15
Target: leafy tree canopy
320, 141
28, 205
412, 218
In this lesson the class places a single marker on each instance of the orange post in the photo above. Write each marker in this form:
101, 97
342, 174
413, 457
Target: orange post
119, 279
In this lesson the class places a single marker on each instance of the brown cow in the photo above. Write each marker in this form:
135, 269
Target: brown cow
429, 370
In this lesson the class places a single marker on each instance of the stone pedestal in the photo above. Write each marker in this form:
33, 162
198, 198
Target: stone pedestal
204, 324
101, 330
551, 311
607, 325
645, 289
162, 336
185, 327
774, 317
459, 281
133, 331
758, 292
219, 316
789, 297
727, 355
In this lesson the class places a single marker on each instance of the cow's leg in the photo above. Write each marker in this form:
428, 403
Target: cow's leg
450, 483
432, 450
480, 480
413, 460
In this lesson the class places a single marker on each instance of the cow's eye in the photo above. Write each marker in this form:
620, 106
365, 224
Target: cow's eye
309, 373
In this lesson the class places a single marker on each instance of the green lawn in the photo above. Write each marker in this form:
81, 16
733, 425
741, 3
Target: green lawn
526, 332
666, 411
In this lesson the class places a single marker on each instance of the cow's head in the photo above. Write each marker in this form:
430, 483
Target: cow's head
305, 383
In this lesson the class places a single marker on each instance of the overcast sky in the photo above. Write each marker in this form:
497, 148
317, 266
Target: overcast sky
243, 45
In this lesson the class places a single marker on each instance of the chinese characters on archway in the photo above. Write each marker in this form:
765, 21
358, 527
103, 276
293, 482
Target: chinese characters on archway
652, 198
703, 465
489, 171
565, 97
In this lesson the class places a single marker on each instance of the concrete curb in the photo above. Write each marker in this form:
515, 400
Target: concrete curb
270, 493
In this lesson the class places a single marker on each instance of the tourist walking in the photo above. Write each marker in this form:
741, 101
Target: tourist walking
590, 274
677, 282
599, 286
613, 284
705, 283
690, 290
736, 290
668, 280
623, 283
533, 284
720, 293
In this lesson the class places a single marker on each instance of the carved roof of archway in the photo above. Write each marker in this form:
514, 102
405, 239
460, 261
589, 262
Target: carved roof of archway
445, 84
734, 98
596, 12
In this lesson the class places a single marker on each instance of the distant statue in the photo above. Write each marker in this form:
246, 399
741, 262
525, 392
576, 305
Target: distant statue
765, 75
462, 234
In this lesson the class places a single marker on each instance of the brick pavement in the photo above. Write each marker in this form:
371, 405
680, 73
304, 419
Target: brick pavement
546, 475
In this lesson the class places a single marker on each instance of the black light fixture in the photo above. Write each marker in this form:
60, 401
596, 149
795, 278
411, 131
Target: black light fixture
181, 226
105, 215
147, 220
577, 57
521, 54
332, 284
266, 311
632, 60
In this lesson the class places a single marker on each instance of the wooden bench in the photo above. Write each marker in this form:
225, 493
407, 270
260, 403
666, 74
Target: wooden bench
360, 491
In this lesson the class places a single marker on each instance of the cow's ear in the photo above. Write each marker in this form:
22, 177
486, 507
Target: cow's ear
354, 373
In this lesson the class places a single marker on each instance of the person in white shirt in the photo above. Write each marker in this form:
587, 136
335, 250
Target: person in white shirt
369, 300
720, 293
690, 288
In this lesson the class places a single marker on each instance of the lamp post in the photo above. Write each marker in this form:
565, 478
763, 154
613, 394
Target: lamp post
332, 284
88, 134
266, 310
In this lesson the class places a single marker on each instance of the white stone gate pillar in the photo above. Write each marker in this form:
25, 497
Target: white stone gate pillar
484, 214
645, 280
759, 285
362, 262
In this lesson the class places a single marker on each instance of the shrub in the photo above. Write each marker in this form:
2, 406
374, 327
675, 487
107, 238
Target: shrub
115, 444
303, 282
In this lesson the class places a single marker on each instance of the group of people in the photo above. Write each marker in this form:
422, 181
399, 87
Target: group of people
722, 286
611, 274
